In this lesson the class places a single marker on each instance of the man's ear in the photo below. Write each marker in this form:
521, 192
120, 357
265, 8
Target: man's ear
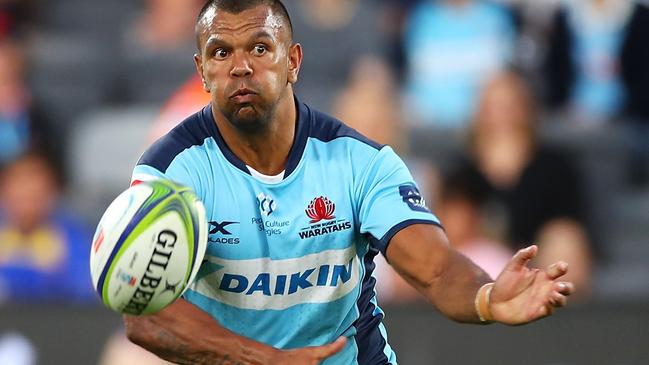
198, 62
295, 57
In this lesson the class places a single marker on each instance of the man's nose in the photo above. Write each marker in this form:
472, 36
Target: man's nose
241, 66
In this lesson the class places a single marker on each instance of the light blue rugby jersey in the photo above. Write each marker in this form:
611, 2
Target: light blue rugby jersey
290, 263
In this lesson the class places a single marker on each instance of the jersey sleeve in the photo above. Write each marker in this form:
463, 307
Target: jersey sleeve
178, 169
390, 200
143, 172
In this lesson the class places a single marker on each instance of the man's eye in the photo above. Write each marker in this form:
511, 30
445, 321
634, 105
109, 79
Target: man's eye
260, 49
221, 53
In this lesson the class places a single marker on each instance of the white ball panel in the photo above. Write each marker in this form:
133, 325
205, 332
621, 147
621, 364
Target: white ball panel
117, 216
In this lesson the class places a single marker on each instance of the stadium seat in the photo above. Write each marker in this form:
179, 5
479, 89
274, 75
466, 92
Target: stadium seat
103, 151
68, 74
90, 17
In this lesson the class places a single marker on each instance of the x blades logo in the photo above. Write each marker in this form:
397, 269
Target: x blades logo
220, 227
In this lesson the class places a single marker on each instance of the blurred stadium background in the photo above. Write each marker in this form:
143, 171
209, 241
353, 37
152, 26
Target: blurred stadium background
522, 120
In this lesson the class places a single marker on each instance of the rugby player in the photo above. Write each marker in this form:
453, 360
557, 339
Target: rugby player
299, 204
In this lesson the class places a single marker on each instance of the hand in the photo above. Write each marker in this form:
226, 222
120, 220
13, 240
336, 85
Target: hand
521, 295
309, 355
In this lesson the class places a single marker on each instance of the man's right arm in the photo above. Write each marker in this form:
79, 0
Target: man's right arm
184, 334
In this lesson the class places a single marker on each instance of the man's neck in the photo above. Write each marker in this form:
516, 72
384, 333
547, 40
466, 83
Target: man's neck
266, 152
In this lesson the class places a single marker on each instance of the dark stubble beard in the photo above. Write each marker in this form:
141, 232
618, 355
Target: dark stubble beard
254, 123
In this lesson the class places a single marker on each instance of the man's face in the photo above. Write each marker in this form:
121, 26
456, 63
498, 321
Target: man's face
247, 63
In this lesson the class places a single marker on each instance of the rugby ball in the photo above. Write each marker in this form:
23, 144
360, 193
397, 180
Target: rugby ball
148, 247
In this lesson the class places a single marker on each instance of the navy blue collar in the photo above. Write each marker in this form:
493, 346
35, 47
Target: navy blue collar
303, 128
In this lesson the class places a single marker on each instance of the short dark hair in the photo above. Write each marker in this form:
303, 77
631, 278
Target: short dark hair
237, 6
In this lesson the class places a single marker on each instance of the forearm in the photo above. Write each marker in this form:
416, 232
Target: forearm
184, 334
453, 291
422, 255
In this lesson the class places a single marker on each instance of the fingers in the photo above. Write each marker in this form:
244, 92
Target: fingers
557, 270
565, 287
325, 351
555, 301
522, 257
557, 294
558, 300
544, 311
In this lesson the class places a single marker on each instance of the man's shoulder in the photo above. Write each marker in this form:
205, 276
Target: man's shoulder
193, 131
326, 128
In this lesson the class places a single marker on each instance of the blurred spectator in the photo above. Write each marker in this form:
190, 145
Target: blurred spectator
451, 47
392, 23
533, 22
635, 73
583, 67
21, 125
635, 62
598, 68
166, 24
44, 251
537, 188
14, 120
461, 209
368, 104
336, 36
187, 100
157, 51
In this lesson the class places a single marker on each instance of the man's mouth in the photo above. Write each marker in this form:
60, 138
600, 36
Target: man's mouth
243, 96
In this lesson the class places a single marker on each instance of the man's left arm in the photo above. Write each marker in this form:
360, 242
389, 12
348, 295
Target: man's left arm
459, 289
